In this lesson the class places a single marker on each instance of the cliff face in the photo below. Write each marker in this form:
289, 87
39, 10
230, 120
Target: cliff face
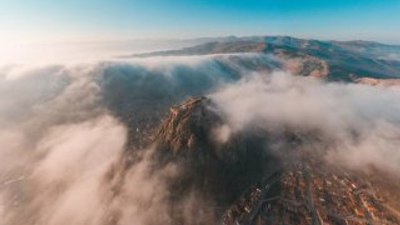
250, 184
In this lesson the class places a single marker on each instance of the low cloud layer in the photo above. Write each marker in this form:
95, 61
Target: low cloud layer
360, 124
64, 131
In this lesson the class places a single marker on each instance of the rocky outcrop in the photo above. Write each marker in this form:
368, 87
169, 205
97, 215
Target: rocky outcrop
222, 171
252, 185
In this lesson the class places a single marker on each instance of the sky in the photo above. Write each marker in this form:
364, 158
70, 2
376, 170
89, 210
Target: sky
50, 20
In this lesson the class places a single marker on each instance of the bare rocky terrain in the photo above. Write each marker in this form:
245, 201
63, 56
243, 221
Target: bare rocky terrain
282, 131
248, 183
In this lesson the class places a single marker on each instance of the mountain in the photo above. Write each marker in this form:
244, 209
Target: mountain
341, 60
220, 170
250, 183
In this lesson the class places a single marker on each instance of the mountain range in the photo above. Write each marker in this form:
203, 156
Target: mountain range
337, 60
243, 179
250, 183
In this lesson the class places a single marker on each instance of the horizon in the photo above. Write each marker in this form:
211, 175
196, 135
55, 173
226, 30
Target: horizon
63, 51
199, 112
45, 30
152, 39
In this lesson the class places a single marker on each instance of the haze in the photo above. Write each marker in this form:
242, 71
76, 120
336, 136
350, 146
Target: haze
46, 29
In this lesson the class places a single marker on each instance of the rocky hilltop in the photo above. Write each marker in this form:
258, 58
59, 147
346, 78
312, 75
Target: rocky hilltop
221, 171
249, 183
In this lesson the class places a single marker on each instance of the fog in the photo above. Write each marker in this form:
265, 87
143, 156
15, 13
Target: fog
75, 51
64, 130
359, 124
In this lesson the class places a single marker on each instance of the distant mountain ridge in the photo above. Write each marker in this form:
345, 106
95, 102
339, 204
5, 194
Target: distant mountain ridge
347, 60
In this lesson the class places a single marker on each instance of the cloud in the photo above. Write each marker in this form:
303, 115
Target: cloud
65, 132
65, 127
360, 124
58, 141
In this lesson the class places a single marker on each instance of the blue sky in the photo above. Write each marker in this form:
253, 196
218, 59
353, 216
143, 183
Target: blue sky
120, 19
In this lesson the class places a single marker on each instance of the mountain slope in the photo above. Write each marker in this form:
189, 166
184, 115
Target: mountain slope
312, 194
221, 171
345, 60
251, 184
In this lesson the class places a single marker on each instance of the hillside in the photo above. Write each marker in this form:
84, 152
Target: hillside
343, 61
249, 183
